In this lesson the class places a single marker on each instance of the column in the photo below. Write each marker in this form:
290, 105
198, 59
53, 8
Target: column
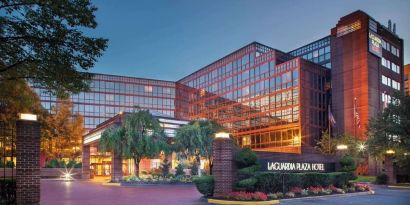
86, 173
116, 167
389, 170
28, 162
223, 167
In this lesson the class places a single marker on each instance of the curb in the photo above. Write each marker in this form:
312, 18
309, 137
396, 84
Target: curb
398, 187
221, 201
155, 185
111, 184
331, 195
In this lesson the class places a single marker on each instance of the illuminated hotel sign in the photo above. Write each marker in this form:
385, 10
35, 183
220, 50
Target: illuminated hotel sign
375, 44
272, 166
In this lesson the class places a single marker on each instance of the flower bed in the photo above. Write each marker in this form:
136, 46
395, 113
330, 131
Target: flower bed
296, 192
158, 180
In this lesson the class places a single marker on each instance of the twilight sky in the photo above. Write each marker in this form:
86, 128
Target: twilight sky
170, 39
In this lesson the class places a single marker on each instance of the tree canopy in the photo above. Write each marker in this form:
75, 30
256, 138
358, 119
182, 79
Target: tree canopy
196, 138
43, 41
391, 128
139, 136
62, 132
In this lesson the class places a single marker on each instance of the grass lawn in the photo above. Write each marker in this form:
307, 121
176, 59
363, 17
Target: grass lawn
364, 179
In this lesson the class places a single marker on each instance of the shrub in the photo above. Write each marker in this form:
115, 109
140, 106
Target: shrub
347, 164
165, 166
296, 190
180, 170
205, 185
246, 184
340, 191
290, 194
247, 196
381, 179
333, 188
361, 187
272, 196
279, 194
304, 192
245, 158
340, 179
316, 179
248, 171
325, 191
315, 190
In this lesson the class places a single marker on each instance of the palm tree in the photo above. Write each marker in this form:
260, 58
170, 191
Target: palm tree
139, 137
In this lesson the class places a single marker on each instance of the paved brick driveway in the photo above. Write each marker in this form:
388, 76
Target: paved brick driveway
55, 192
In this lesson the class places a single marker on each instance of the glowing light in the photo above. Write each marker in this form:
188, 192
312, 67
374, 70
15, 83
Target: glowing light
28, 116
222, 135
341, 147
362, 147
390, 151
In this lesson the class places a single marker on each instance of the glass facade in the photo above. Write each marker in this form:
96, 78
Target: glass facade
317, 52
111, 94
254, 93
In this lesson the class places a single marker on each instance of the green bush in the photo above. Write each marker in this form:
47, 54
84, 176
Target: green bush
316, 179
9, 164
55, 163
246, 184
382, 179
204, 184
347, 164
269, 182
248, 171
245, 158
180, 170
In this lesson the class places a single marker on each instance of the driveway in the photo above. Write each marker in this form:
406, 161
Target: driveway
55, 192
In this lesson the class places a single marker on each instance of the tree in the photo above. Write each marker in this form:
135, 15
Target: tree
42, 41
391, 129
326, 145
140, 136
196, 138
62, 132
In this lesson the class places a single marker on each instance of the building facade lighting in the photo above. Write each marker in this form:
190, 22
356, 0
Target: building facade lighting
222, 135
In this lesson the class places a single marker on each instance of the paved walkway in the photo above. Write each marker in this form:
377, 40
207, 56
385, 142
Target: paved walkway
55, 192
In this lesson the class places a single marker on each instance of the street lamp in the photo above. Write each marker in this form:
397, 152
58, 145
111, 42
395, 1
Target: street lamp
362, 147
222, 135
341, 147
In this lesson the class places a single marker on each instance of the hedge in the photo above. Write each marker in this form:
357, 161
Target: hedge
204, 184
270, 182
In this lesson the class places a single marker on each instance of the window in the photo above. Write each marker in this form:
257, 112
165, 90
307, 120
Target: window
148, 89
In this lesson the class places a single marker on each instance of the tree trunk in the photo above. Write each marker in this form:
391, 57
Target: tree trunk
137, 166
198, 162
211, 164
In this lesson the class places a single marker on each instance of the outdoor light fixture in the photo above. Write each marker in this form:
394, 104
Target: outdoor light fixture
341, 147
27, 116
390, 151
222, 135
362, 147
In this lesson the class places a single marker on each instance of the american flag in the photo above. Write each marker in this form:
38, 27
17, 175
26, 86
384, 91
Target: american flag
356, 114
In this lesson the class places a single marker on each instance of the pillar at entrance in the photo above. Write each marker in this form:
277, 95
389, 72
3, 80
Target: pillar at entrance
389, 170
223, 166
86, 174
116, 167
28, 162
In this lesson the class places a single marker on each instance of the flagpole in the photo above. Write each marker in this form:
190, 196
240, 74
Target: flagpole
330, 132
354, 117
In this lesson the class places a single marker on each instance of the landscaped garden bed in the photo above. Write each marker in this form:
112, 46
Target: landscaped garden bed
177, 180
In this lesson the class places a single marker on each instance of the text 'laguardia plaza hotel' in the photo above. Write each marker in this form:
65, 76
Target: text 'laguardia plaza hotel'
268, 99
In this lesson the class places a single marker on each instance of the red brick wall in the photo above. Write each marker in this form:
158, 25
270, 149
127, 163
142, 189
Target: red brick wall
28, 162
223, 168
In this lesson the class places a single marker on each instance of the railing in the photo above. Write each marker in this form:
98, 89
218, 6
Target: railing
7, 148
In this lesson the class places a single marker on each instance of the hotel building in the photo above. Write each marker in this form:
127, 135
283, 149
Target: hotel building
272, 101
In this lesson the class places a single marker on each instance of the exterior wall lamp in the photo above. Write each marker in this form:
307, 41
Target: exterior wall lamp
341, 147
27, 116
222, 135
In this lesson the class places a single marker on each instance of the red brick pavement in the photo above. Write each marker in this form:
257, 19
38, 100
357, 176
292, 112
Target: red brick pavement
55, 192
